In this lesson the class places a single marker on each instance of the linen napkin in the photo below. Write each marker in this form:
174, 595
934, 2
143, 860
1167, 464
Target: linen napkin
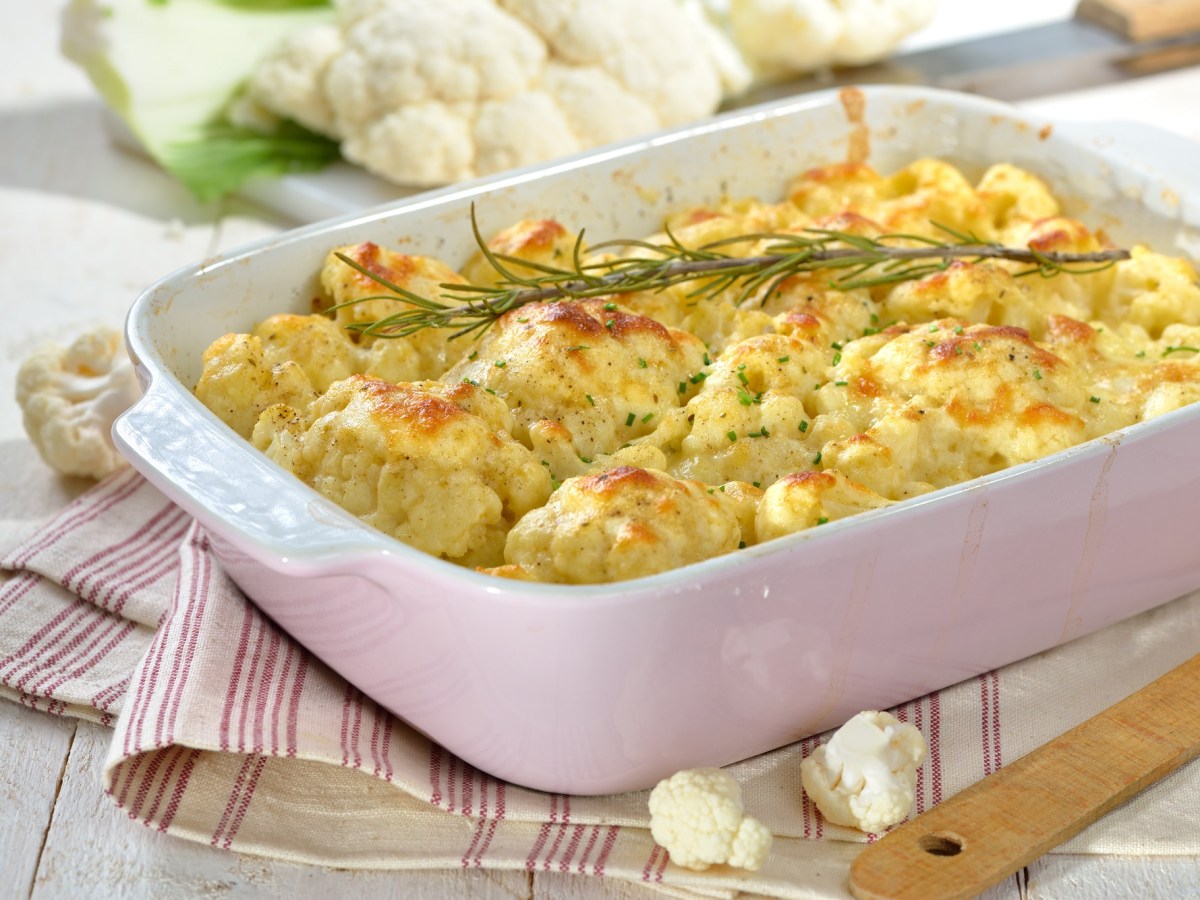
226, 731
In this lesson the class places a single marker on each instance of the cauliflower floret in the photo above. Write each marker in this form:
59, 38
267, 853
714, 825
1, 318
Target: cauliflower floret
316, 343
426, 354
866, 776
783, 36
697, 815
620, 524
69, 398
582, 378
237, 382
806, 499
428, 93
393, 453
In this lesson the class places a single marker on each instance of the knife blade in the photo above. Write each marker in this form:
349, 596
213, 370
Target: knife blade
1103, 42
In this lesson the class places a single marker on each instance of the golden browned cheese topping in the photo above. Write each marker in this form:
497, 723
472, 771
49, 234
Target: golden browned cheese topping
617, 437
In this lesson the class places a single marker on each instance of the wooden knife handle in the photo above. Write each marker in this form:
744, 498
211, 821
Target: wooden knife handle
1142, 20
982, 835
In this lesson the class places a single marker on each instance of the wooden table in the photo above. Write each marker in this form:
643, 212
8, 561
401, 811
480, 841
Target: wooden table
83, 228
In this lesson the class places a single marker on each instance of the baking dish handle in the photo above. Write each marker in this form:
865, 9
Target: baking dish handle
202, 466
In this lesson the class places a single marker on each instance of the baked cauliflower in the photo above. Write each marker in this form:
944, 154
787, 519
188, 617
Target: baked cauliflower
582, 378
865, 776
697, 815
429, 93
427, 463
70, 397
622, 523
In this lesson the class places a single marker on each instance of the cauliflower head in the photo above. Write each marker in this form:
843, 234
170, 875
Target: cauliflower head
429, 93
697, 815
865, 776
69, 398
393, 454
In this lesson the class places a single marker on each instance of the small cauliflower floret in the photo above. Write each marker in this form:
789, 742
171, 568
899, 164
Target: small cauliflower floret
237, 382
585, 377
1078, 295
806, 499
1015, 195
973, 292
70, 397
426, 354
321, 348
543, 242
698, 816
749, 420
865, 776
1152, 291
412, 461
908, 201
621, 524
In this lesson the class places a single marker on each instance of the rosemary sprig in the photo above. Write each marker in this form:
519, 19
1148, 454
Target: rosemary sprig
858, 261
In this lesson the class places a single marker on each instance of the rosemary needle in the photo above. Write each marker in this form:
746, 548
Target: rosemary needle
854, 261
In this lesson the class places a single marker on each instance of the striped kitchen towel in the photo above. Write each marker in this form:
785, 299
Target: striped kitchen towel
228, 732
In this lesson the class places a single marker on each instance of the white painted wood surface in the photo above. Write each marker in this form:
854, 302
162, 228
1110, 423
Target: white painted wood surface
83, 228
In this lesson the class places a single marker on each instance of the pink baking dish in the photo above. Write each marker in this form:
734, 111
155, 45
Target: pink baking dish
599, 689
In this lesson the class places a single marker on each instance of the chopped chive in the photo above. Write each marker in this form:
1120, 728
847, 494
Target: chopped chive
840, 383
1180, 349
683, 387
580, 347
473, 354
741, 545
1094, 399
609, 323
698, 377
837, 357
721, 489
958, 330
490, 391
784, 359
707, 361
500, 364
742, 378
1037, 374
817, 459
803, 426
471, 381
822, 520
744, 398
933, 327
585, 460
590, 401
641, 363
610, 306
978, 346
836, 345
630, 419
732, 435
647, 417
522, 320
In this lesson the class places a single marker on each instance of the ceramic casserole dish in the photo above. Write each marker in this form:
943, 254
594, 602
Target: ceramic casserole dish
594, 689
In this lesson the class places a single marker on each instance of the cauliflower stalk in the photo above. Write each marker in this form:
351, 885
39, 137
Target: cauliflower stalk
70, 396
865, 777
697, 816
